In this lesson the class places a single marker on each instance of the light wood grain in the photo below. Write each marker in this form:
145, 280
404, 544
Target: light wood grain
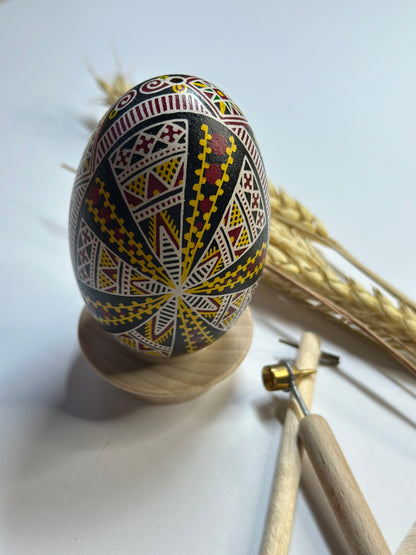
341, 488
164, 380
288, 468
408, 545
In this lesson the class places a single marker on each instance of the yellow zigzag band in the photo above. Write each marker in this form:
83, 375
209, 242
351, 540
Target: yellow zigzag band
189, 323
137, 311
231, 279
192, 246
133, 249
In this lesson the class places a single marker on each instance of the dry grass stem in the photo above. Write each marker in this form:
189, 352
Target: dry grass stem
68, 167
113, 88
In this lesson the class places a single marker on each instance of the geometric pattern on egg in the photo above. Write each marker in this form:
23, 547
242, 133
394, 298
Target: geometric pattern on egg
169, 216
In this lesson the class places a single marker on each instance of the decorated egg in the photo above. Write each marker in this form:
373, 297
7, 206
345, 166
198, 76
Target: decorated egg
169, 216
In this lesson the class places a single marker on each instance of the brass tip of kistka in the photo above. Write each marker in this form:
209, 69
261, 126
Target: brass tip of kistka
277, 377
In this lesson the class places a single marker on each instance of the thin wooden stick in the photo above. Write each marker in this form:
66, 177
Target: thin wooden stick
288, 468
344, 494
408, 545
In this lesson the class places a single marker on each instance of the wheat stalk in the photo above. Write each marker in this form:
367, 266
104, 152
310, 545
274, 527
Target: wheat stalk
338, 296
288, 210
115, 87
296, 256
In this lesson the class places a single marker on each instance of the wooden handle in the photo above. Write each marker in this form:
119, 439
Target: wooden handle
408, 545
343, 492
288, 467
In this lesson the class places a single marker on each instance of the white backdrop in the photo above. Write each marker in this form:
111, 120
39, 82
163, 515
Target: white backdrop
329, 90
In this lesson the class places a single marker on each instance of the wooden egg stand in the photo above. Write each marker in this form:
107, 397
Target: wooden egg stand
164, 380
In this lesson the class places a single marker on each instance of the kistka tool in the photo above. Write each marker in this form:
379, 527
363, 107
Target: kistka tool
338, 482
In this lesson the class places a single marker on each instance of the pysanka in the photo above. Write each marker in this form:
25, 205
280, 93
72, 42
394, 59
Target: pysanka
169, 216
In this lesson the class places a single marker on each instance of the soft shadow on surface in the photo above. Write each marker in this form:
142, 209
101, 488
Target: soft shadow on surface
93, 447
90, 397
273, 408
375, 397
54, 228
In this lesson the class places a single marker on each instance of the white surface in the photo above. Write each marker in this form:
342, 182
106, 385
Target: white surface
329, 88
